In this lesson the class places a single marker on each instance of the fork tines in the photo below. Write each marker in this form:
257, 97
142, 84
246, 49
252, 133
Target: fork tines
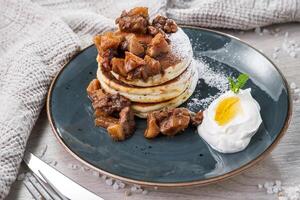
40, 189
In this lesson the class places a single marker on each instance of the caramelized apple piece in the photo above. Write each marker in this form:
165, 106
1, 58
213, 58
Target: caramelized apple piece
158, 46
178, 120
134, 21
99, 113
105, 57
134, 46
165, 24
127, 121
152, 128
93, 86
109, 41
153, 66
143, 11
168, 122
132, 61
105, 121
142, 38
196, 118
116, 132
170, 26
97, 42
107, 45
125, 126
97, 94
138, 73
152, 30
123, 46
118, 66
110, 103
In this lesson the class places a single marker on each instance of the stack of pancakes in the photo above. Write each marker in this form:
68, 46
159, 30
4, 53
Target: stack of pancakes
169, 89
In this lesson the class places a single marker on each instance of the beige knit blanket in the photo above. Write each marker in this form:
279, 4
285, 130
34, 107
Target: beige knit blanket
38, 37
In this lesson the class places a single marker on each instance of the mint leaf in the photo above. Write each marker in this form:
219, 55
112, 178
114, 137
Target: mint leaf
231, 83
240, 82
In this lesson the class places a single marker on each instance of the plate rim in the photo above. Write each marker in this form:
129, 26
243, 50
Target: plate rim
187, 183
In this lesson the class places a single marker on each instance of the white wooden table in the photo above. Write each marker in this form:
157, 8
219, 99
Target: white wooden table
282, 164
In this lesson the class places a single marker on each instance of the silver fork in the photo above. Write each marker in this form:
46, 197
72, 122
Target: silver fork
48, 183
41, 190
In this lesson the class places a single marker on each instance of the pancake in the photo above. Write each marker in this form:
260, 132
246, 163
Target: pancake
181, 49
142, 109
158, 93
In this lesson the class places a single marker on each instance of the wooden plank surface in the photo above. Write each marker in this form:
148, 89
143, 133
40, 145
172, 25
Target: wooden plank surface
282, 164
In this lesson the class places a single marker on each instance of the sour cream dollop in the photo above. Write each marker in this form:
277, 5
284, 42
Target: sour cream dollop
230, 121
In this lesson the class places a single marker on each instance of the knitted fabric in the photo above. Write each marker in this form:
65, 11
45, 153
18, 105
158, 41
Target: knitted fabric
235, 14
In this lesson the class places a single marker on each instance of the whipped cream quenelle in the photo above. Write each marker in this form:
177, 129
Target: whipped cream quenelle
230, 121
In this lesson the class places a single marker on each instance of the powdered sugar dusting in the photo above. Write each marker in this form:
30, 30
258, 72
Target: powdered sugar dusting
204, 103
180, 45
213, 79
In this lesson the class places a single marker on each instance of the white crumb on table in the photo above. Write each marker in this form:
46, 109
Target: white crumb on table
109, 181
293, 85
95, 173
116, 186
291, 192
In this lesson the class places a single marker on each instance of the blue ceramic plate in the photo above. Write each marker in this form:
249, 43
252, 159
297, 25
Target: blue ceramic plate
183, 160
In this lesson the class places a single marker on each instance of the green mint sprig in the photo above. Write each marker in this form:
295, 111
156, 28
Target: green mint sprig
240, 82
